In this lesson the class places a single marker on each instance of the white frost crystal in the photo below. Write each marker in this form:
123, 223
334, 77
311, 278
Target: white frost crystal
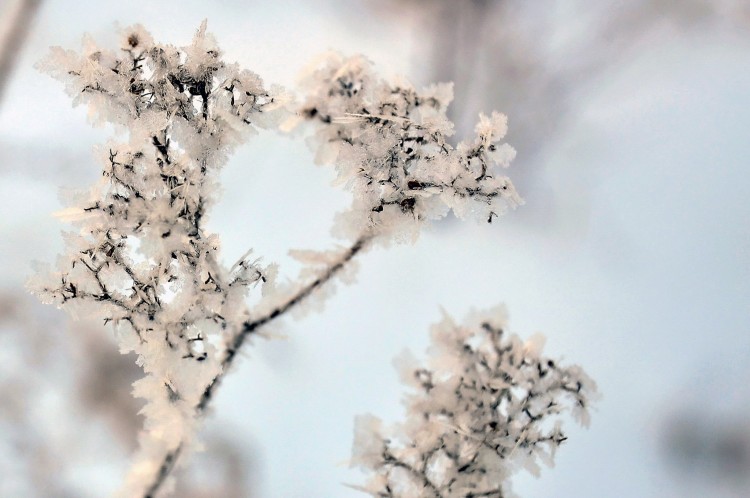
485, 403
389, 145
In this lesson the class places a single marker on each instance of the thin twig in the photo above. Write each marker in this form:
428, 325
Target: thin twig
249, 328
166, 468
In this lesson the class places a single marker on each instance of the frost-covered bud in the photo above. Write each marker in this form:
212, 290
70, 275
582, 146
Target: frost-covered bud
389, 143
485, 404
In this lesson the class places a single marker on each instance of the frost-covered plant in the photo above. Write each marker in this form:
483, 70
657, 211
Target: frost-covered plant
141, 258
485, 404
390, 146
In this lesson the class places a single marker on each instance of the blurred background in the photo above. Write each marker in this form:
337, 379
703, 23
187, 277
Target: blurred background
631, 254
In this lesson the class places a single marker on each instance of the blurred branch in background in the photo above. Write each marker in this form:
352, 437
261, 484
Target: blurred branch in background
17, 18
28, 458
526, 59
67, 408
708, 451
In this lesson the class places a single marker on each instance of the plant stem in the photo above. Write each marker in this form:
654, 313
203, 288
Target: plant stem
248, 328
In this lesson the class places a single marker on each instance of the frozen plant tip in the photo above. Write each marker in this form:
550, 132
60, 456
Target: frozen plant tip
485, 404
389, 143
142, 260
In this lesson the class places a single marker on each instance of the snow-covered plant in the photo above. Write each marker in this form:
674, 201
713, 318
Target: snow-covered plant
141, 258
485, 404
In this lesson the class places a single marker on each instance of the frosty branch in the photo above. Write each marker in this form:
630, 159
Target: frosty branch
484, 405
252, 326
142, 260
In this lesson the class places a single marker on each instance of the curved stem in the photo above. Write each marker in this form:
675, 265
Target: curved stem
248, 328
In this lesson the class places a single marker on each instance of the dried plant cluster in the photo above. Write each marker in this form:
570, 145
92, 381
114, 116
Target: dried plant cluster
141, 259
